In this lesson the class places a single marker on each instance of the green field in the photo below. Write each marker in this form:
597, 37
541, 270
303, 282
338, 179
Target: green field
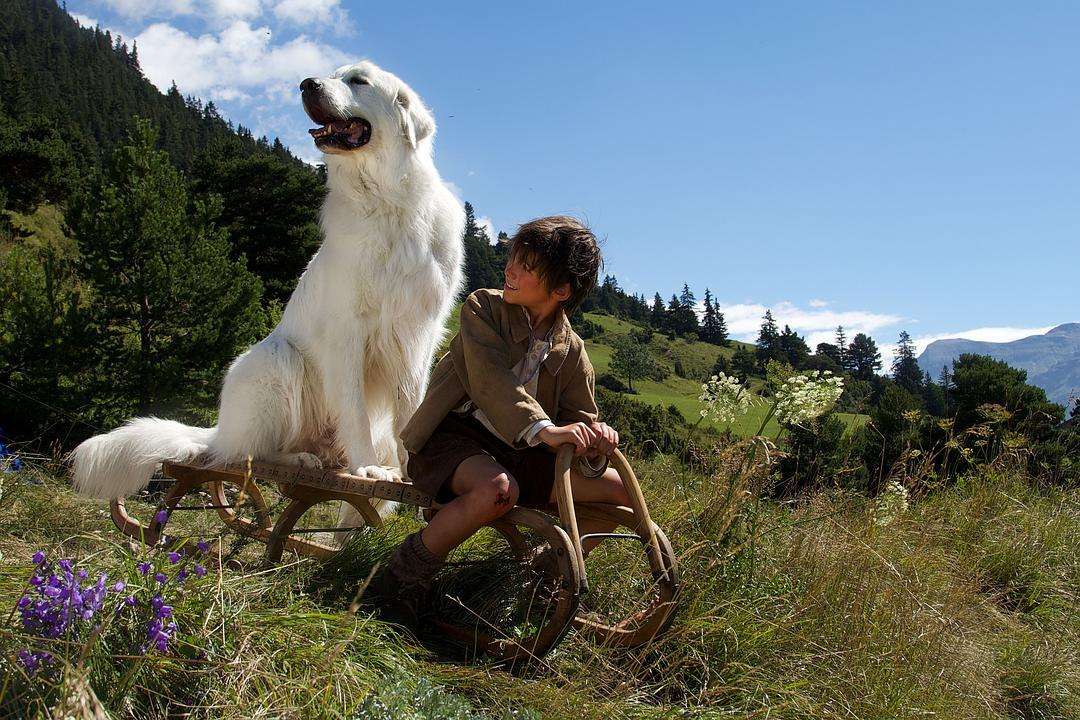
962, 606
697, 359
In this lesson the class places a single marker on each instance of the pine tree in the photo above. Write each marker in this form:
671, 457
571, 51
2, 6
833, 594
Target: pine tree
744, 363
171, 308
270, 210
768, 341
673, 317
683, 315
658, 315
686, 297
708, 320
905, 368
841, 349
946, 383
721, 326
482, 266
863, 357
792, 348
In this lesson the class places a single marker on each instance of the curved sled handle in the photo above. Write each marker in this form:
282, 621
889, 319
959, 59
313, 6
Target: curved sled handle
564, 494
637, 499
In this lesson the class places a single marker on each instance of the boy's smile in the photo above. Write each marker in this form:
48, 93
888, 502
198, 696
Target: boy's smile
522, 286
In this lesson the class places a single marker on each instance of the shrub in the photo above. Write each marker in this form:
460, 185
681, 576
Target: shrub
642, 428
609, 381
586, 328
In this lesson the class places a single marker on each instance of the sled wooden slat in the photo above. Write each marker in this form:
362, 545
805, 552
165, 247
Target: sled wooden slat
304, 488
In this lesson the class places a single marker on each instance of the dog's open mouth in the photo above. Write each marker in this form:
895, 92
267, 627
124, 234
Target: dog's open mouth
346, 134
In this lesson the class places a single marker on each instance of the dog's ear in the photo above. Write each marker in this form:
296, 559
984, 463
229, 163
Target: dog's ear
416, 121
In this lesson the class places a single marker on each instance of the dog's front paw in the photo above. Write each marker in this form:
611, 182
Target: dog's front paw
303, 459
379, 472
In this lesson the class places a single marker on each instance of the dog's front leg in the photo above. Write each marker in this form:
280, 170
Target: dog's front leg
344, 392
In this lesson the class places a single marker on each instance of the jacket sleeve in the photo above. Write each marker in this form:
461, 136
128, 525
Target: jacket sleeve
577, 403
493, 386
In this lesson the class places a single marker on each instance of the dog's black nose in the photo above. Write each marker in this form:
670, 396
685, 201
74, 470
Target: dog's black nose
310, 84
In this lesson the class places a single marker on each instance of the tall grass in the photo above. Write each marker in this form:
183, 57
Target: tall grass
963, 606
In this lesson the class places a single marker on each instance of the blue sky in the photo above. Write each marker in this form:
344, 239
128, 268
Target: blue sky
885, 166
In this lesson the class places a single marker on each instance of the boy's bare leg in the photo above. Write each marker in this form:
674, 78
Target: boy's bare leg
607, 488
485, 491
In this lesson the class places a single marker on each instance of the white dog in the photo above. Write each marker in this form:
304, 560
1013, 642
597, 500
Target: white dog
348, 365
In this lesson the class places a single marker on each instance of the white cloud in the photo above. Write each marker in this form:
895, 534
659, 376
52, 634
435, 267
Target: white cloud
210, 10
984, 334
138, 9
817, 323
237, 61
235, 8
485, 222
85, 21
815, 303
311, 12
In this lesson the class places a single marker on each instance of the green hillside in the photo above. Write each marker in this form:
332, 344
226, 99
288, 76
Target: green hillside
697, 359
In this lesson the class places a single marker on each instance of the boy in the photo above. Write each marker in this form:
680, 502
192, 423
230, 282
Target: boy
515, 386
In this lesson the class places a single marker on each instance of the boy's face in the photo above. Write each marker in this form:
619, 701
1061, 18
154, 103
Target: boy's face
522, 286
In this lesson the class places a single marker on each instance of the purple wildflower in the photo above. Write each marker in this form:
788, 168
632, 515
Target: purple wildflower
182, 575
55, 607
200, 570
174, 557
119, 586
203, 546
161, 578
162, 516
38, 557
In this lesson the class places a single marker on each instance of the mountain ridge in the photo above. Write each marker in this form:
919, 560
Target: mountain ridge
1052, 360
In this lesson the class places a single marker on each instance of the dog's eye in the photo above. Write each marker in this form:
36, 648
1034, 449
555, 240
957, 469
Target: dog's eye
357, 80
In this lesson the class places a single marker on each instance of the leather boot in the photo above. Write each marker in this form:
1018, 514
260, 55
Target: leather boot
404, 584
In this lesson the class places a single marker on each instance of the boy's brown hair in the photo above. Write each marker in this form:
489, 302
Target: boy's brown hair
560, 250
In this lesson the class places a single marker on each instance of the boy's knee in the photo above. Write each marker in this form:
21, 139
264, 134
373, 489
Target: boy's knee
498, 494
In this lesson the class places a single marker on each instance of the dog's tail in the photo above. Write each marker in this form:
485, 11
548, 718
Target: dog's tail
122, 462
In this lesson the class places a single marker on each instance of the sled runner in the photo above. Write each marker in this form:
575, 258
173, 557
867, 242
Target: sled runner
511, 592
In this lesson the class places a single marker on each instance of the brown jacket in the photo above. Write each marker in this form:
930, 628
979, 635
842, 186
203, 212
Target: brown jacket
494, 336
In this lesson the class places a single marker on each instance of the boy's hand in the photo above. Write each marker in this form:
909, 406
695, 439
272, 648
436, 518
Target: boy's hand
606, 439
580, 434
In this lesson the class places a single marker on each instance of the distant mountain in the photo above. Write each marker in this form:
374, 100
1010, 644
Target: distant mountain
1052, 360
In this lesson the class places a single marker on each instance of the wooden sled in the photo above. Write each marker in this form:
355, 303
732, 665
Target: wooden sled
548, 602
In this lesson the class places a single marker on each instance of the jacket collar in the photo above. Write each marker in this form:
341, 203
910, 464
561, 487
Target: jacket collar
560, 335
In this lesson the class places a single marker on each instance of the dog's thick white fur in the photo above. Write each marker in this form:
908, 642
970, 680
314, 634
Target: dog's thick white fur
347, 366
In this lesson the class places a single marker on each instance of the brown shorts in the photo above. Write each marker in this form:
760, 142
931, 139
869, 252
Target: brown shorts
458, 437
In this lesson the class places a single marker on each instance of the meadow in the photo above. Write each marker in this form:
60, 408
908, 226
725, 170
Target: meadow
961, 604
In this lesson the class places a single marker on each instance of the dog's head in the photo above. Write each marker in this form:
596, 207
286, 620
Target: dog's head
361, 108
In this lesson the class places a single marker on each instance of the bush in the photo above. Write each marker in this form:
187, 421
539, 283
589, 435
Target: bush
818, 457
609, 381
586, 328
642, 428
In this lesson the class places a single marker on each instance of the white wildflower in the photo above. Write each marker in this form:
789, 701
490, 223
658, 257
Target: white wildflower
892, 503
725, 398
804, 397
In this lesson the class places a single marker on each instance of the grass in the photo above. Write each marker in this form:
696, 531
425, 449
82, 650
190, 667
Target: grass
964, 606
697, 359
